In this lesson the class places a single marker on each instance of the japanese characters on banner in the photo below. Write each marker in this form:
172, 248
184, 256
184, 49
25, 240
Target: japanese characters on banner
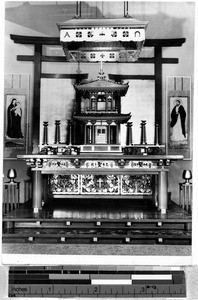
102, 34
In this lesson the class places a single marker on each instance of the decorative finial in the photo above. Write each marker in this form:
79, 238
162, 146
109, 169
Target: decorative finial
101, 75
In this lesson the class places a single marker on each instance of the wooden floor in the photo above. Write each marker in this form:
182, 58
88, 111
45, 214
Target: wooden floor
98, 209
101, 221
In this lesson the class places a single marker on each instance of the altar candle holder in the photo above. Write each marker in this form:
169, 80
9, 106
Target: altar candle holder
143, 133
11, 194
69, 143
156, 138
129, 135
185, 191
187, 175
57, 132
45, 133
11, 175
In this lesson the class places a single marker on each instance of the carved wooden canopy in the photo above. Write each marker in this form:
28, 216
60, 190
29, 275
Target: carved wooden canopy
118, 118
102, 85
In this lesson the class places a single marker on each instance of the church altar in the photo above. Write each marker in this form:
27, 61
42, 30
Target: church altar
104, 176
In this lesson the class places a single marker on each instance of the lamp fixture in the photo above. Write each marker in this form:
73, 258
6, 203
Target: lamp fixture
12, 175
187, 175
104, 39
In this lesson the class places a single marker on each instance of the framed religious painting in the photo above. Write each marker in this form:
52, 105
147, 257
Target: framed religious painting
15, 121
179, 116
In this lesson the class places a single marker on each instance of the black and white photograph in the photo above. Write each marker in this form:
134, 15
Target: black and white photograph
101, 97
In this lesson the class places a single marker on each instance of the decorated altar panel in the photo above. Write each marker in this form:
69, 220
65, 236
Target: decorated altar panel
140, 101
57, 98
111, 184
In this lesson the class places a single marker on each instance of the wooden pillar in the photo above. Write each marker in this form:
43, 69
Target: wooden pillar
109, 134
158, 89
118, 134
36, 97
85, 134
81, 139
90, 104
106, 103
37, 191
113, 103
93, 134
163, 190
89, 134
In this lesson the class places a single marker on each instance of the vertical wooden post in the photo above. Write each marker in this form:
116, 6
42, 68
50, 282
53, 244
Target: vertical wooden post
109, 134
90, 134
118, 134
85, 134
37, 191
36, 96
158, 89
163, 190
93, 133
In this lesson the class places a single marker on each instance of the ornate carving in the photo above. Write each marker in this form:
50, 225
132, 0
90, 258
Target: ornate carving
149, 150
141, 164
35, 162
134, 184
67, 184
107, 164
57, 164
62, 164
100, 184
121, 163
77, 163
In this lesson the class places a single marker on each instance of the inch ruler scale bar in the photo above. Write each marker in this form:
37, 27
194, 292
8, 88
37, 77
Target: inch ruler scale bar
95, 281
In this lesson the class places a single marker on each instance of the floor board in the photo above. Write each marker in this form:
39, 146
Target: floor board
107, 209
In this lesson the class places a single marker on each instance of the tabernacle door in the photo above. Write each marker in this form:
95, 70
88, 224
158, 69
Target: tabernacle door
101, 135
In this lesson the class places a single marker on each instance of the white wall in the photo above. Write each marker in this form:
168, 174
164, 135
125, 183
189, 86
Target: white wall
57, 96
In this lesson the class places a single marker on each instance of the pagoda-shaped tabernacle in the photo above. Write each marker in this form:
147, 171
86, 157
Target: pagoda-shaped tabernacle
98, 114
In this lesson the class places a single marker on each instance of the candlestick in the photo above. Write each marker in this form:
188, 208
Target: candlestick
69, 133
57, 132
45, 133
143, 133
129, 135
156, 138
